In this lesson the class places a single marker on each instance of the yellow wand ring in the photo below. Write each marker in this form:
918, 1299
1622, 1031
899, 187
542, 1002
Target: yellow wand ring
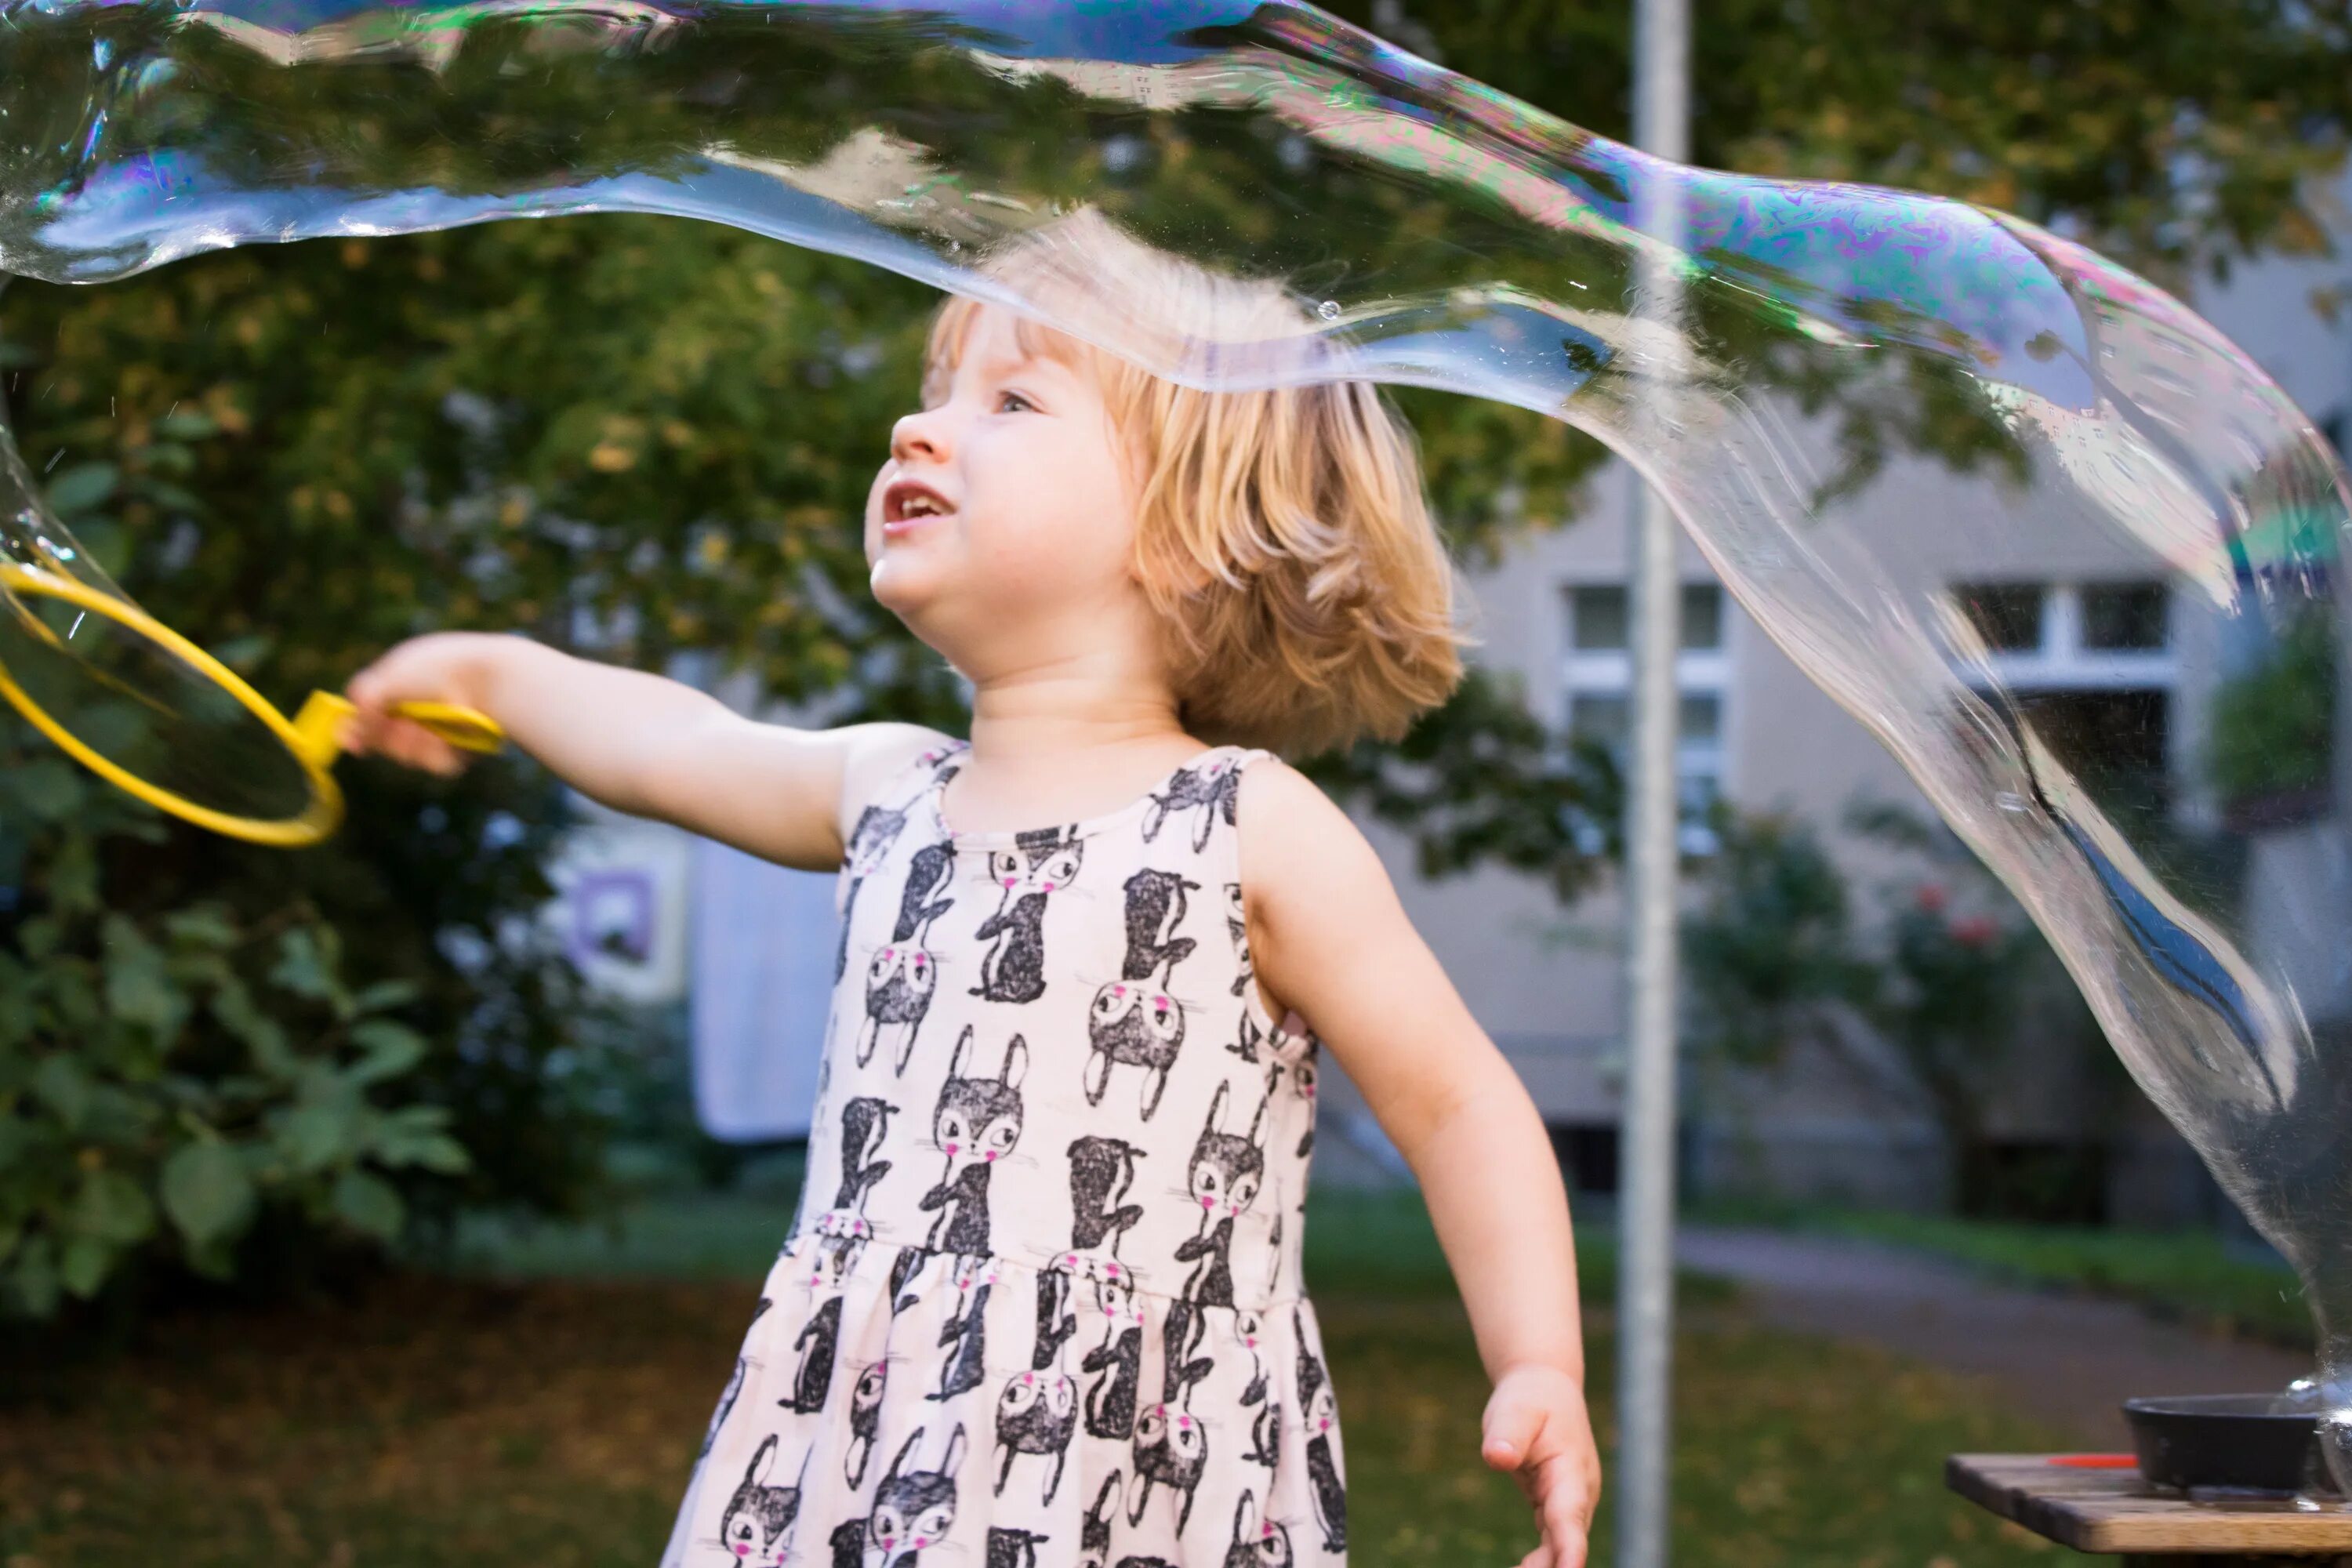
313, 737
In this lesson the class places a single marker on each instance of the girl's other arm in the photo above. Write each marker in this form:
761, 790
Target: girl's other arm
636, 742
1331, 939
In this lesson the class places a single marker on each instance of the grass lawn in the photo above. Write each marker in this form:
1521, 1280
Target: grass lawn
548, 1415
2191, 1276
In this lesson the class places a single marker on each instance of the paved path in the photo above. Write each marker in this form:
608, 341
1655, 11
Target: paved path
2071, 1360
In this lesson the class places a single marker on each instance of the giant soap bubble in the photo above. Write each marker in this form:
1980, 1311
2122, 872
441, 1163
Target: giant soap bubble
1855, 398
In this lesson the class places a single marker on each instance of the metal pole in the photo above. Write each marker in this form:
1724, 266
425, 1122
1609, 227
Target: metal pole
1646, 1201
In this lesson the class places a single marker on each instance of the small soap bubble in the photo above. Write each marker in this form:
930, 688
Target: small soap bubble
1329, 309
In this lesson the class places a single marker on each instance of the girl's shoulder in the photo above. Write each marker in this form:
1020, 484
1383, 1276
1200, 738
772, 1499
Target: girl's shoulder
877, 758
1277, 807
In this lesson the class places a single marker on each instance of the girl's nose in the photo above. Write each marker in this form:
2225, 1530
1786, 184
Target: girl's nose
921, 434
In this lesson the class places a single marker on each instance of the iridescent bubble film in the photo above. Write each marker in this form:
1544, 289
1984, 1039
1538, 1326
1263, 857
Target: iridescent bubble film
1860, 401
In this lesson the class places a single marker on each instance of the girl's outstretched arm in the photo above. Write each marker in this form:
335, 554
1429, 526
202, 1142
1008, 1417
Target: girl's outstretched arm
1328, 937
639, 743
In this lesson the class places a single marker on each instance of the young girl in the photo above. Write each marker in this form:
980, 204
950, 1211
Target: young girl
1041, 1301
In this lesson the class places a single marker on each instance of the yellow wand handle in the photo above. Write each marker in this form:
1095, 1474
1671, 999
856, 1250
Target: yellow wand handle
319, 726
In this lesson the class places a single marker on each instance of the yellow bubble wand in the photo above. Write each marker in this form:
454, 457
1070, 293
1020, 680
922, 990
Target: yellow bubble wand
313, 736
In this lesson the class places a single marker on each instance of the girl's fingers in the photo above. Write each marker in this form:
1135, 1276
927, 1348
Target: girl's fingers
1513, 1424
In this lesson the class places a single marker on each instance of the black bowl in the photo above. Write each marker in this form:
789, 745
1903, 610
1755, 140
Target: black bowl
2260, 1443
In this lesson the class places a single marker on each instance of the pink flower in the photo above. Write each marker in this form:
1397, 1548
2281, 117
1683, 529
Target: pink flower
1974, 930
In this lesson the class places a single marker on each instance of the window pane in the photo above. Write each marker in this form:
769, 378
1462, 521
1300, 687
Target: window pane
1597, 616
2008, 615
1702, 716
1602, 719
1702, 615
2119, 617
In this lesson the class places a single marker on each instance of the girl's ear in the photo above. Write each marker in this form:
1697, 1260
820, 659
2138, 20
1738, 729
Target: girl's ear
1217, 1107
1016, 1062
954, 1460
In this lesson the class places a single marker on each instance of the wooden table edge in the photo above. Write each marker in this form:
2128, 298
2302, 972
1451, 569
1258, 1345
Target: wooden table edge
2153, 1525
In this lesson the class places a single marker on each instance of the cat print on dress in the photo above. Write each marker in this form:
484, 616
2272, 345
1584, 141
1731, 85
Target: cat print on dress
1012, 1548
757, 1527
734, 1387
964, 1335
865, 1420
1043, 860
915, 1508
1210, 788
1306, 1073
1055, 1322
1320, 1409
1257, 1543
1172, 1449
1102, 1171
1266, 1437
903, 975
1249, 1330
1094, 1531
819, 1342
1186, 1326
976, 1123
1237, 928
1035, 1414
1155, 911
1226, 1172
865, 1133
1111, 1397
869, 845
1172, 1446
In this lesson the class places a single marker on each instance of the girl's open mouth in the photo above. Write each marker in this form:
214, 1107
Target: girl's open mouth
907, 504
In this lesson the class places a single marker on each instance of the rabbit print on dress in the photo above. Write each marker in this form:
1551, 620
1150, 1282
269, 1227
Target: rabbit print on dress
975, 1124
757, 1527
913, 1511
734, 1388
1226, 1173
903, 977
1119, 1360
865, 1420
869, 847
1257, 1543
1319, 1409
1040, 1305
1210, 790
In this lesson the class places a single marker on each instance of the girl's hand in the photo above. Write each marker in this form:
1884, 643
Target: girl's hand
441, 667
1538, 1428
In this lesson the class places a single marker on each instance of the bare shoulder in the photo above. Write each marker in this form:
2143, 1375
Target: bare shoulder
871, 755
1299, 850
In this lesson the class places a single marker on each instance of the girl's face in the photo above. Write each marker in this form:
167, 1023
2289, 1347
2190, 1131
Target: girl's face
1004, 503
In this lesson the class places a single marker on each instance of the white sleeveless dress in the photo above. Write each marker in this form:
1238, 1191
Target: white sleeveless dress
1041, 1304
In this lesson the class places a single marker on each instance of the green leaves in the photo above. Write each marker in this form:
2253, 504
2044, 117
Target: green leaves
206, 1192
188, 1068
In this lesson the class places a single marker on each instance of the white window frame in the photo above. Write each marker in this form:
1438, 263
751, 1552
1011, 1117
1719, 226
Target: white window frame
2060, 662
1698, 672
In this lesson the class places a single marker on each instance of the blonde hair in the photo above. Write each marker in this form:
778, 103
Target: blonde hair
1283, 535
